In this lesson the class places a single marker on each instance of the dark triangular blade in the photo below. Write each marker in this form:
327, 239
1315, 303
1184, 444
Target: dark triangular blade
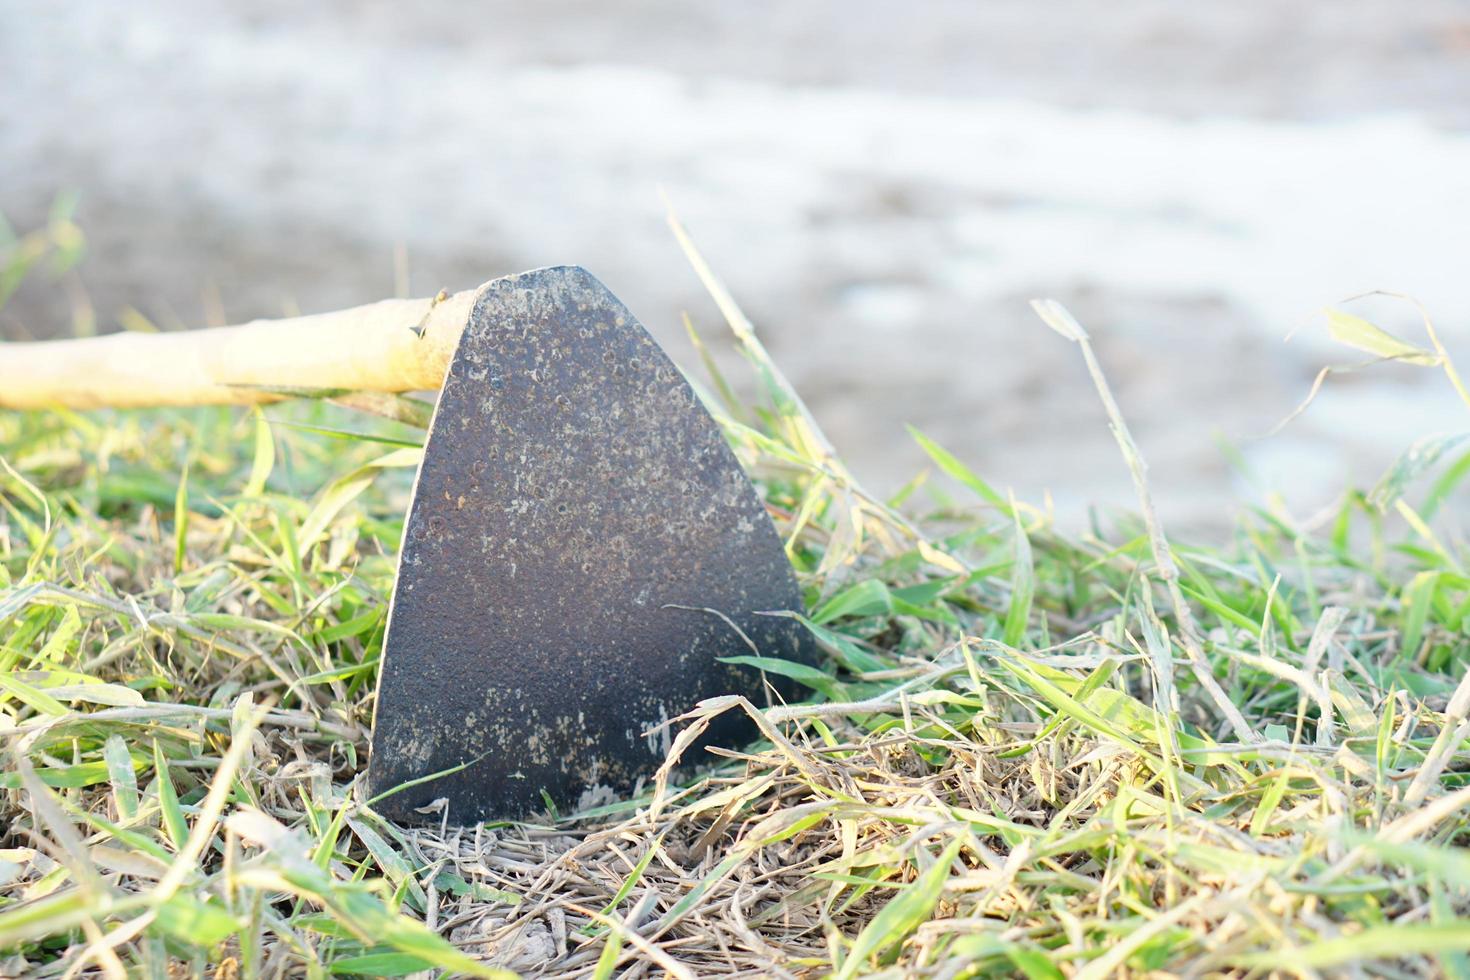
576, 513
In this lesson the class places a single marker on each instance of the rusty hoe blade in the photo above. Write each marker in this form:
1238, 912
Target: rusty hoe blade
581, 552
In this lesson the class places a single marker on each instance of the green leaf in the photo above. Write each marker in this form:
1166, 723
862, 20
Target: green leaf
1270, 800
52, 915
181, 519
1023, 591
36, 698
867, 598
324, 923
1225, 612
634, 876
394, 867
1032, 963
14, 601
1088, 716
951, 465
924, 593
350, 436
352, 627
58, 647
228, 622
95, 692
843, 649
388, 964
368, 916
168, 801
1449, 863
1393, 941
343, 490
1359, 333
124, 780
338, 673
1417, 597
1029, 962
1417, 459
265, 455
904, 913
62, 777
817, 680
197, 922
1453, 475
452, 884
608, 960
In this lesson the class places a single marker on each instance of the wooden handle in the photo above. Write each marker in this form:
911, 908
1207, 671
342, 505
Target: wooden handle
394, 345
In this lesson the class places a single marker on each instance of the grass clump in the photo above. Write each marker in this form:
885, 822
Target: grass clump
1028, 753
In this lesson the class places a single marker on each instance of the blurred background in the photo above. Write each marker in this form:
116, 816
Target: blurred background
883, 187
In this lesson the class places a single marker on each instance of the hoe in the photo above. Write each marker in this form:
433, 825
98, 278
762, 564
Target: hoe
582, 554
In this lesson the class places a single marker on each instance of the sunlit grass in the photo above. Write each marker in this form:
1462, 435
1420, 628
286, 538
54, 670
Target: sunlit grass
1027, 753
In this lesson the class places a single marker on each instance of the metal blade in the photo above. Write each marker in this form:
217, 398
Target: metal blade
581, 548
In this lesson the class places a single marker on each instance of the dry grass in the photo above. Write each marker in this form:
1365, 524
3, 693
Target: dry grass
1028, 754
